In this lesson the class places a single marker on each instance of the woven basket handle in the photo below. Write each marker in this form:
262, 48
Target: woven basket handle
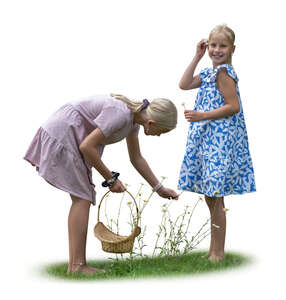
137, 210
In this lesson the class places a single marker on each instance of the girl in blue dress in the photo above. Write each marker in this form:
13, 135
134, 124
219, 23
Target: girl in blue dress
217, 161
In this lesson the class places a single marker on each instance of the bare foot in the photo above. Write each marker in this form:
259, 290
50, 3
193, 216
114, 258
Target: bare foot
216, 258
85, 269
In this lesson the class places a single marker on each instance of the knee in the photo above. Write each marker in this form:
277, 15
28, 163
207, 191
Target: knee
80, 202
213, 202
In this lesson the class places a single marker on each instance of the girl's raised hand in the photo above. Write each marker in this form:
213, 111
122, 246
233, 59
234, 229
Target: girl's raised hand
201, 48
117, 187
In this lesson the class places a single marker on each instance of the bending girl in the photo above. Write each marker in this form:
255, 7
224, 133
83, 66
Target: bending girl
71, 142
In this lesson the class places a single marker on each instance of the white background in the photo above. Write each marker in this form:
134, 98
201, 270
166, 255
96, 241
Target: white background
56, 51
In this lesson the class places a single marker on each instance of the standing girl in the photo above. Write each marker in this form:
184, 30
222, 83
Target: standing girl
71, 142
217, 161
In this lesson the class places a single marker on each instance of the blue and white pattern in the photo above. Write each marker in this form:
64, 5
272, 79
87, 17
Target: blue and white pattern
217, 161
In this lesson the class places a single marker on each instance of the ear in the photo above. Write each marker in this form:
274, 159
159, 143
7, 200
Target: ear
151, 122
233, 48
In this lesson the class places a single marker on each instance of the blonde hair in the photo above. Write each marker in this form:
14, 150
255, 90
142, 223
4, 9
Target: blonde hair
161, 110
227, 31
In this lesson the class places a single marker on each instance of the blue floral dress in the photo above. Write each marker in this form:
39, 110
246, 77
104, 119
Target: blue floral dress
217, 161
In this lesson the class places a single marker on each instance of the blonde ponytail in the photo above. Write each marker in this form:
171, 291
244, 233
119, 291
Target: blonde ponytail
160, 110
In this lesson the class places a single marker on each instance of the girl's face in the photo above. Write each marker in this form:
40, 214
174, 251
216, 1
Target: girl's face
151, 128
220, 49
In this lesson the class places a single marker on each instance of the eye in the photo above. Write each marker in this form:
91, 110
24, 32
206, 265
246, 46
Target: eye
212, 45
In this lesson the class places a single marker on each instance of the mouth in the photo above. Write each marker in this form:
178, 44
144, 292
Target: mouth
217, 56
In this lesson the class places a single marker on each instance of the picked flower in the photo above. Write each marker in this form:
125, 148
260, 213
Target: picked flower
216, 193
226, 209
183, 104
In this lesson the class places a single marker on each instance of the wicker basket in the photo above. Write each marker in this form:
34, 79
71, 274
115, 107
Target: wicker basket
112, 242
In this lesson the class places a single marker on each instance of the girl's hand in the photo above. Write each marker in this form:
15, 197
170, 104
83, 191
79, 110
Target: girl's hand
117, 187
167, 193
201, 48
194, 116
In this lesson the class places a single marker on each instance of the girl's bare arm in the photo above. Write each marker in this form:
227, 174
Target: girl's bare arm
188, 80
226, 85
141, 165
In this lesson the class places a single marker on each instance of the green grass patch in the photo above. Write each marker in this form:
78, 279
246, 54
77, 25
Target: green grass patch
147, 267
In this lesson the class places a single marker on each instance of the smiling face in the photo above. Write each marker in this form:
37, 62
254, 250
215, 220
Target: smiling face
220, 49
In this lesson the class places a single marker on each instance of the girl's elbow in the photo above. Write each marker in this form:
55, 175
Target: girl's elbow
182, 86
82, 148
236, 109
135, 160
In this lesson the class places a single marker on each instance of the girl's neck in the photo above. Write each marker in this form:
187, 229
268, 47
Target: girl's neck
224, 63
139, 118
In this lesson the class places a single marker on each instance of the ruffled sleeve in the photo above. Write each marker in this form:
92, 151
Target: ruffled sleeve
229, 70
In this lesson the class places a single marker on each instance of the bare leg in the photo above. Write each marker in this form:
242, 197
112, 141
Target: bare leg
218, 227
77, 229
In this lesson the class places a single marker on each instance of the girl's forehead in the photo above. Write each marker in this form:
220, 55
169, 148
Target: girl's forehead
219, 37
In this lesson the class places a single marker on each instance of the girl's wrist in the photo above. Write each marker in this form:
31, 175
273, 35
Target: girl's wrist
157, 187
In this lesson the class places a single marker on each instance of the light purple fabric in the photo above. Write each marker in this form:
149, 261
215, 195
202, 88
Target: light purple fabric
55, 148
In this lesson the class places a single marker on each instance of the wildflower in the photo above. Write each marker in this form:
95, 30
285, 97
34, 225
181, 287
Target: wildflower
164, 210
145, 201
163, 177
226, 209
126, 184
129, 203
201, 198
216, 226
140, 194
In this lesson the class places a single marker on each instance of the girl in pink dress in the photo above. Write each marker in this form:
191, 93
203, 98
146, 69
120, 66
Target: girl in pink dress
71, 142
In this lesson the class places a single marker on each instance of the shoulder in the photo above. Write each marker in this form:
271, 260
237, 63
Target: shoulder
225, 72
115, 104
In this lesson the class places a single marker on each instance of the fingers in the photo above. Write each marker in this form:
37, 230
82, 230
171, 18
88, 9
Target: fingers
117, 187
